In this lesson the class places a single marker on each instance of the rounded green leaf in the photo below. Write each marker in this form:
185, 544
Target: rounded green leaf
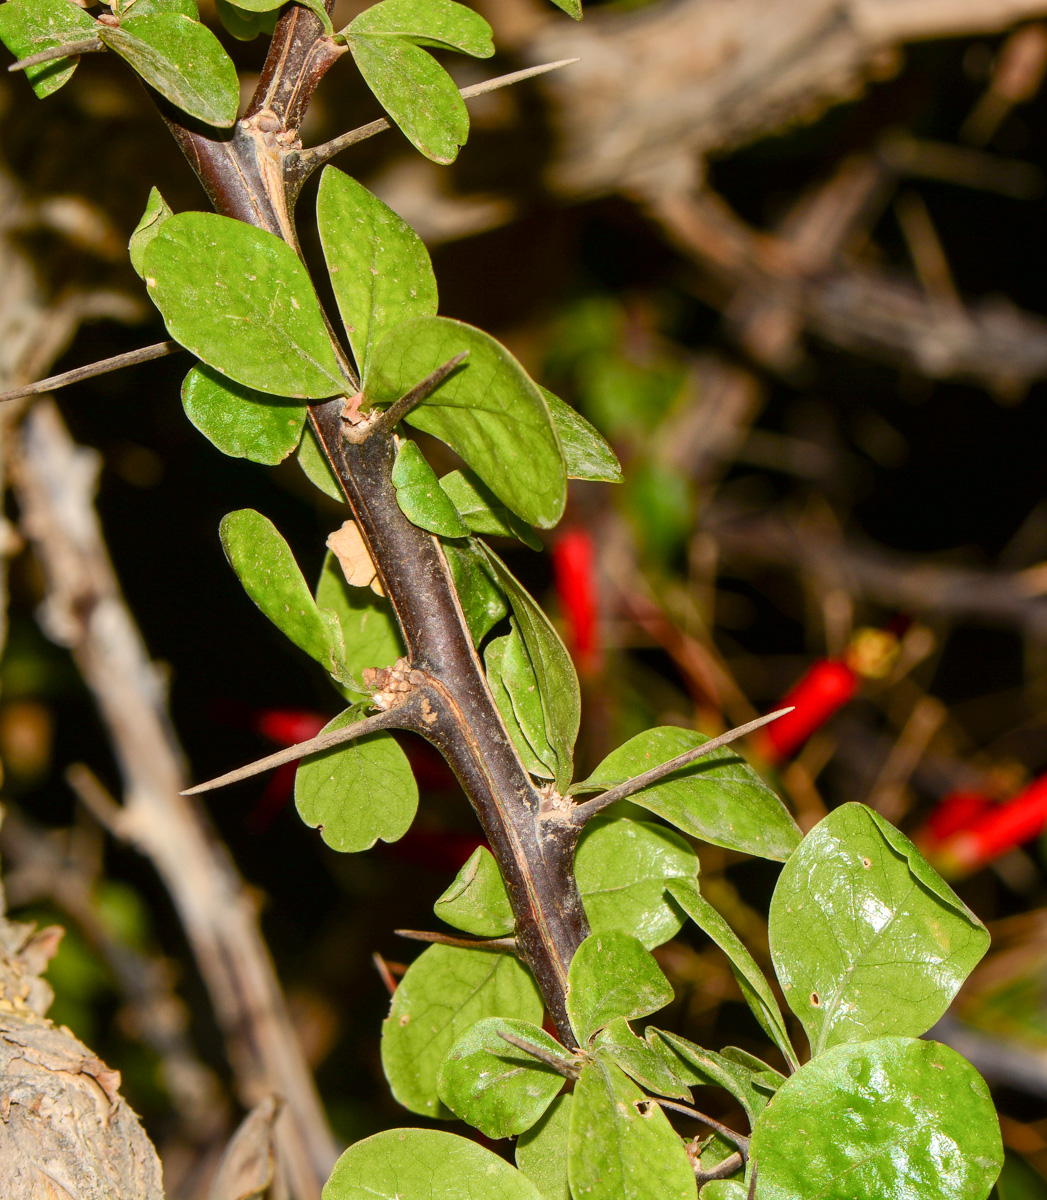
359, 792
29, 26
499, 655
264, 564
440, 23
541, 1152
865, 937
622, 867
719, 799
895, 1117
490, 412
621, 1145
241, 300
183, 60
157, 210
416, 92
238, 420
612, 975
379, 266
585, 450
495, 1086
477, 901
725, 1189
445, 992
421, 498
424, 1164
370, 634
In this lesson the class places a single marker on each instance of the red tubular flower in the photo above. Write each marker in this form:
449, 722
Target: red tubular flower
1000, 828
573, 570
955, 812
826, 687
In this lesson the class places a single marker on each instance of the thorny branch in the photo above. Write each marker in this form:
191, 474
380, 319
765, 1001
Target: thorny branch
252, 176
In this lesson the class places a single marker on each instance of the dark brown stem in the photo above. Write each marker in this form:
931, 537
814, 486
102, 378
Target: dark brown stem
250, 177
722, 1170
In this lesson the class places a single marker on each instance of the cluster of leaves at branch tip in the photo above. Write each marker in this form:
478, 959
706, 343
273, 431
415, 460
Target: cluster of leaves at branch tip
868, 944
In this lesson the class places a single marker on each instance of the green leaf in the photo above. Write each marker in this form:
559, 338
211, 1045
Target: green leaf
264, 564
866, 939
705, 1068
238, 420
489, 411
416, 92
553, 669
585, 450
242, 301
424, 1164
719, 799
157, 210
496, 1087
652, 1069
498, 674
475, 582
509, 663
483, 512
445, 992
183, 60
317, 469
380, 268
421, 499
611, 976
359, 792
246, 26
754, 985
892, 1117
541, 1151
621, 1145
440, 23
370, 634
29, 26
622, 867
477, 901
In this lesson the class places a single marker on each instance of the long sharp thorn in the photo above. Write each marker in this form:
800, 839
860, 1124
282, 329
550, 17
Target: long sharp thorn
323, 741
90, 45
102, 367
582, 812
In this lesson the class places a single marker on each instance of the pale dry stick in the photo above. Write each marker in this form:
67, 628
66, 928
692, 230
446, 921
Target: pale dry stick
85, 611
887, 794
580, 813
91, 370
446, 939
308, 160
